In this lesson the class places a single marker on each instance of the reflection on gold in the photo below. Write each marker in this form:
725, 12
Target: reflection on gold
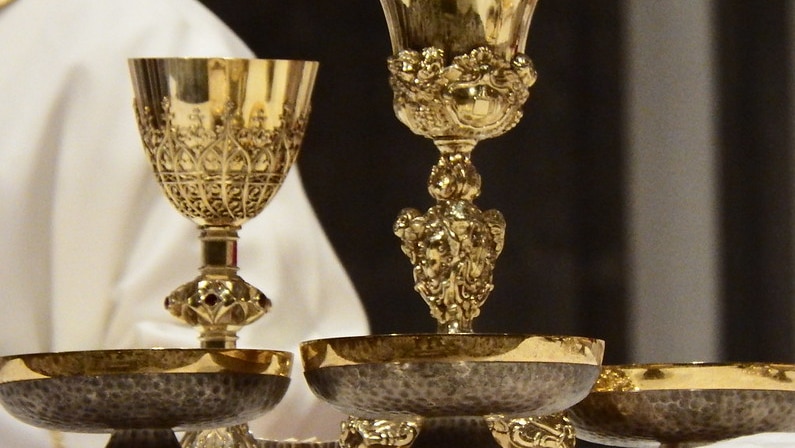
683, 405
143, 361
450, 348
748, 376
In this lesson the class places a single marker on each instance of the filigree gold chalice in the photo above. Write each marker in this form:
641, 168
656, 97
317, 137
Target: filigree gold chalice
459, 76
221, 136
686, 405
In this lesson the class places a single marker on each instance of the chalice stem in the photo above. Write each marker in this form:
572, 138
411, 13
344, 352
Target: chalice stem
454, 177
219, 250
219, 260
454, 245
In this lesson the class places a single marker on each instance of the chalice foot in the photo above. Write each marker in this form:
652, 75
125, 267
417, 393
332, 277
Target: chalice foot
549, 431
229, 437
393, 432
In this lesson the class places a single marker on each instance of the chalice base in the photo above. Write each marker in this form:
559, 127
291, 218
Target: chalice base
686, 405
137, 394
552, 431
230, 437
136, 438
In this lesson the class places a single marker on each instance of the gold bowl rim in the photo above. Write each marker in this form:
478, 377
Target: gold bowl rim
446, 348
221, 58
694, 376
35, 366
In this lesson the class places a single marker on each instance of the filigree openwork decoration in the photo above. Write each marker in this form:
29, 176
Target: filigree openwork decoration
549, 431
377, 433
478, 96
223, 174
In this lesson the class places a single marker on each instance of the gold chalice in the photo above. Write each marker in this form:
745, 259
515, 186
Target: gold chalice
459, 76
686, 405
221, 136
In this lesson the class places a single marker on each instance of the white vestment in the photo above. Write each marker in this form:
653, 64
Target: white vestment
91, 248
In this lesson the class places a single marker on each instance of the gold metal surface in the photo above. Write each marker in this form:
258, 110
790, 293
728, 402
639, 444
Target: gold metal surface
686, 405
547, 431
232, 437
459, 76
410, 348
377, 433
221, 136
143, 361
451, 375
747, 376
459, 26
130, 392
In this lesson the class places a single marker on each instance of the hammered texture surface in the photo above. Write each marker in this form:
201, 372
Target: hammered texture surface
636, 418
159, 400
438, 389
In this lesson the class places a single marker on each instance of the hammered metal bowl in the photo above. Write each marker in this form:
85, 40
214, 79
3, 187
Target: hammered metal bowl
686, 404
440, 375
182, 389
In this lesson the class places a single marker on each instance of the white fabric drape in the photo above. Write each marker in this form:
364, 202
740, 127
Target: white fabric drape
90, 247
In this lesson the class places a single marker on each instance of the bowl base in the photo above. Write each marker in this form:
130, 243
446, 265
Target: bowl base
136, 438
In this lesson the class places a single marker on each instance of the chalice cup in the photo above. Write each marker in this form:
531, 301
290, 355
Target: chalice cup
221, 136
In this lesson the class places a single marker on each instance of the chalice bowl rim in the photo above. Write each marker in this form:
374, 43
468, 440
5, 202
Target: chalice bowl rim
107, 390
686, 403
474, 374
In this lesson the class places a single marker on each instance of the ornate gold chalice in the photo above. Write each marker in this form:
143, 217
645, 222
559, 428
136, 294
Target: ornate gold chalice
459, 76
221, 136
686, 405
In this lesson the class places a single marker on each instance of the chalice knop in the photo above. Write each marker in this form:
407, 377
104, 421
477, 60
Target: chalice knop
221, 136
459, 76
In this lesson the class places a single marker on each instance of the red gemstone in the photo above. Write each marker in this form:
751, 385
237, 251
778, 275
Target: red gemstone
211, 299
